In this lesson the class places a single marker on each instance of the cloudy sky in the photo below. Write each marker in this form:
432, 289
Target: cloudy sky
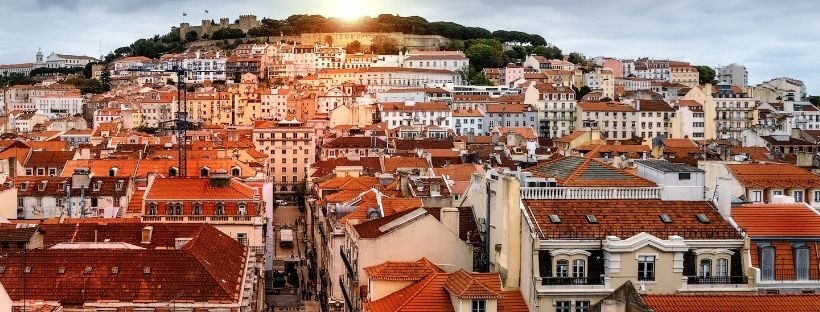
772, 38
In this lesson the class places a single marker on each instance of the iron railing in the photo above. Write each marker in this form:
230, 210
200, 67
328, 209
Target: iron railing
711, 280
587, 280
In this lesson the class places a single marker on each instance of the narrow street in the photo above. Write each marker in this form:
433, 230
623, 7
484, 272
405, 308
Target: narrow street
286, 265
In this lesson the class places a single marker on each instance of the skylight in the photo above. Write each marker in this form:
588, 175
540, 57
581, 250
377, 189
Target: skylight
665, 218
703, 218
555, 219
592, 219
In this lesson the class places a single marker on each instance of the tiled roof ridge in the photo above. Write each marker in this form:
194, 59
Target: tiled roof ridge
189, 247
421, 285
471, 286
582, 167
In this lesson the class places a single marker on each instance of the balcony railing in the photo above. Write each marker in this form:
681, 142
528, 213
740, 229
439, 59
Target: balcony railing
789, 275
589, 280
713, 280
259, 250
590, 192
201, 219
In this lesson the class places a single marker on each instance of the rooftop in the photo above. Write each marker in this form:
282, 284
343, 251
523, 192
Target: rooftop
777, 220
586, 172
666, 166
773, 175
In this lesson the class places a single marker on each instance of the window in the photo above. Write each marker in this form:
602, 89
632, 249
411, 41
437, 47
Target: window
242, 209
722, 267
479, 306
152, 209
776, 193
220, 209
563, 306
816, 196
757, 196
581, 306
706, 268
204, 172
578, 268
767, 263
562, 268
801, 263
197, 209
798, 196
684, 176
646, 268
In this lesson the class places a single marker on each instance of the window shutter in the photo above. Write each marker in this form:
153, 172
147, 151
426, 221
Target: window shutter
736, 267
595, 265
545, 263
689, 263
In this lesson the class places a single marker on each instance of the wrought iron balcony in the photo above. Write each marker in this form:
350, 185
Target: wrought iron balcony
588, 280
711, 280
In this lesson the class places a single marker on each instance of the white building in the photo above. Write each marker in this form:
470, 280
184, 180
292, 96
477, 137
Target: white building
205, 67
443, 60
603, 80
556, 108
469, 121
55, 60
733, 74
397, 114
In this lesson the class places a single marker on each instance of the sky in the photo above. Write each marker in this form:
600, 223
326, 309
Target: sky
771, 38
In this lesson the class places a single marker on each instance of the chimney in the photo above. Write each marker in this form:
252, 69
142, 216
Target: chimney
220, 178
724, 203
146, 234
449, 217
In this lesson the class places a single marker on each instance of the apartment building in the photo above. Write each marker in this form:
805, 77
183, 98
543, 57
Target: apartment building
291, 147
556, 108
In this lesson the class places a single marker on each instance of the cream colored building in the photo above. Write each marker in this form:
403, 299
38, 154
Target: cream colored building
291, 147
556, 109
684, 74
602, 80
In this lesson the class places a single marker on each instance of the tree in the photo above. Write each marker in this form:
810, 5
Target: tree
480, 80
550, 52
300, 192
91, 86
381, 44
191, 36
13, 79
579, 93
170, 82
456, 45
482, 56
606, 99
353, 47
228, 33
577, 58
87, 70
706, 75
329, 40
814, 99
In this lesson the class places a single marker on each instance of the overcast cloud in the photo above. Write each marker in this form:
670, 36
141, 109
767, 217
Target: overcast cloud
772, 38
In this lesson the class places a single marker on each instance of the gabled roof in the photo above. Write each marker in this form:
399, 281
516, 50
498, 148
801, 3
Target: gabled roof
464, 285
773, 175
625, 218
55, 159
197, 189
683, 142
724, 302
586, 172
402, 271
391, 164
209, 268
378, 227
777, 220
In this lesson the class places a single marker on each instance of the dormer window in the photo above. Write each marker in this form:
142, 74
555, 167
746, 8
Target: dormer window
24, 186
113, 171
235, 171
173, 172
42, 186
197, 209
220, 209
97, 186
152, 209
64, 186
204, 172
242, 209
120, 184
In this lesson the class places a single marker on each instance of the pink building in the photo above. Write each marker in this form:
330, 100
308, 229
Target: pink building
615, 65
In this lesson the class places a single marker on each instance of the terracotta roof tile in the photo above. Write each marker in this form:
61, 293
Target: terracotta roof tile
197, 189
777, 220
402, 271
586, 172
773, 175
732, 303
626, 218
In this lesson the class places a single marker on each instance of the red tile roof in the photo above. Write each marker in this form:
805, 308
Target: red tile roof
777, 220
587, 172
371, 228
773, 175
197, 189
417, 107
402, 271
356, 142
209, 268
625, 218
464, 285
391, 164
605, 107
668, 142
732, 303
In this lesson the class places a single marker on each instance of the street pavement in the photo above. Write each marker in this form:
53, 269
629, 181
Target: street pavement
289, 299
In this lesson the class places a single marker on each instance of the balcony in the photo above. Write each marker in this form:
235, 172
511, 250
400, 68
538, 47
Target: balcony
205, 219
590, 192
788, 278
716, 280
589, 280
257, 250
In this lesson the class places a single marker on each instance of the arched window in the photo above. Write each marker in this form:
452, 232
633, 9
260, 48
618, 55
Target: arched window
242, 209
152, 209
204, 172
113, 171
173, 172
235, 171
220, 209
283, 189
197, 210
562, 268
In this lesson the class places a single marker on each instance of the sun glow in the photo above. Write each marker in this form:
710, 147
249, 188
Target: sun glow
347, 9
